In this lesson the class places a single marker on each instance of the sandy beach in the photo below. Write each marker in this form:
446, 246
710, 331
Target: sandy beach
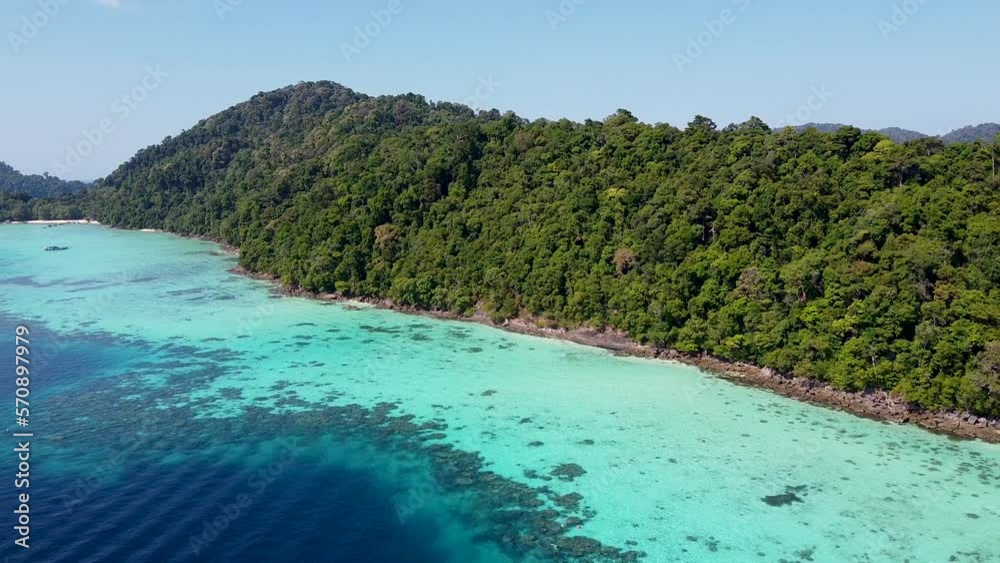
58, 222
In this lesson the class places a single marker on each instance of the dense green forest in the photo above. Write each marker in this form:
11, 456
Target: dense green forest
24, 197
840, 256
23, 207
35, 185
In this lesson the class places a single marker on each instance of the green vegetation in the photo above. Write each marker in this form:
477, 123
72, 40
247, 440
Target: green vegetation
22, 207
12, 181
842, 256
20, 196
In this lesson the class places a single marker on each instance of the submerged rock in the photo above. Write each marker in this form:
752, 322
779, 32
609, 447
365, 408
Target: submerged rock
568, 472
569, 501
786, 498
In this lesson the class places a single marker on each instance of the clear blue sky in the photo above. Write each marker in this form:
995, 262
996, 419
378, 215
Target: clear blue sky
937, 71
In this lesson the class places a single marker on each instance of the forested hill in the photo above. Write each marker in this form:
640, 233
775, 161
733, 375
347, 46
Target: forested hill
985, 132
12, 181
842, 256
973, 133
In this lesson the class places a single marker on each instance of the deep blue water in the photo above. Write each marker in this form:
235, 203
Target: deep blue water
102, 490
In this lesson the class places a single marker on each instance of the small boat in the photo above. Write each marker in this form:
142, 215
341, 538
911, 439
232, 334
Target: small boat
55, 248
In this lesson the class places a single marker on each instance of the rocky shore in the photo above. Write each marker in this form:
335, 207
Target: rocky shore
876, 405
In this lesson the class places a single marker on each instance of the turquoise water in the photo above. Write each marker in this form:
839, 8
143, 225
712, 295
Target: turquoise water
506, 446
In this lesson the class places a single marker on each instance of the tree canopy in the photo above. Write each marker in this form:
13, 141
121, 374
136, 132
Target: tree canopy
839, 256
35, 185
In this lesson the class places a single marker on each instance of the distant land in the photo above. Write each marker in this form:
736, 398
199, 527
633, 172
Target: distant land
36, 185
985, 132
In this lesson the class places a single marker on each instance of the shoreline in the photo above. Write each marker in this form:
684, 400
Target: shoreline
56, 222
878, 405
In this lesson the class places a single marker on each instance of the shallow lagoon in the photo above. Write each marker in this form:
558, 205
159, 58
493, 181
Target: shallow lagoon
448, 417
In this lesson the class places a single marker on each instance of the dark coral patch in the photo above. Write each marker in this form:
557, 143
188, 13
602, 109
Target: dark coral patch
568, 471
782, 499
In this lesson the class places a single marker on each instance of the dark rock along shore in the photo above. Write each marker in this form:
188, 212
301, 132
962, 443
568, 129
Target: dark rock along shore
876, 405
